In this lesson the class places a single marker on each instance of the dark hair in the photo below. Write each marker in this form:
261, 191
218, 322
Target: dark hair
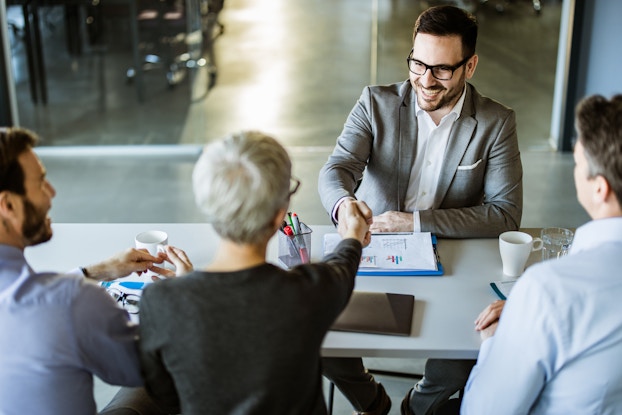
599, 125
447, 21
13, 142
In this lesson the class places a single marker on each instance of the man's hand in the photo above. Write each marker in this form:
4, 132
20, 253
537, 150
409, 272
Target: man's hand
393, 221
354, 220
486, 322
489, 331
174, 256
122, 265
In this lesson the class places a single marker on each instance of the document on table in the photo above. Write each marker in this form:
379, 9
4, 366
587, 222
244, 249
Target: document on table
394, 254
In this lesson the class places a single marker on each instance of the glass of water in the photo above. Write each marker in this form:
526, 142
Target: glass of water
555, 242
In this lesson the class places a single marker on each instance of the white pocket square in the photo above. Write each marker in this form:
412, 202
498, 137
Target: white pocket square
471, 167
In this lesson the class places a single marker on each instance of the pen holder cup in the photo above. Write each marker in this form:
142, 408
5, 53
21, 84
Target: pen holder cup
296, 249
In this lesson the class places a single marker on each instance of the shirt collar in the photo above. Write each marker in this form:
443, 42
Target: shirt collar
456, 110
13, 265
11, 252
597, 232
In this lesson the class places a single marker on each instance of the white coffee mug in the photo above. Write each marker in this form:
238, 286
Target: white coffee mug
152, 241
515, 248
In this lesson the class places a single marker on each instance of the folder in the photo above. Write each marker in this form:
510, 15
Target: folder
396, 254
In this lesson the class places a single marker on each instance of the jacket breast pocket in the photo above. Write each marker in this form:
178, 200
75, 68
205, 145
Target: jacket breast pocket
470, 178
470, 166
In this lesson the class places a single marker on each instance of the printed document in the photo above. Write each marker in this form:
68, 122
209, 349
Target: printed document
394, 251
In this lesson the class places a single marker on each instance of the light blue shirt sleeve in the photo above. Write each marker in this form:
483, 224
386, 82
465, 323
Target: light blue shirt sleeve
76, 271
501, 383
107, 339
557, 348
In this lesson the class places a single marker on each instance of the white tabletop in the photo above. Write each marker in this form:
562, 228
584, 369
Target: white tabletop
445, 307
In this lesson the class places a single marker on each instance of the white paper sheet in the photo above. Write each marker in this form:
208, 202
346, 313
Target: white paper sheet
393, 251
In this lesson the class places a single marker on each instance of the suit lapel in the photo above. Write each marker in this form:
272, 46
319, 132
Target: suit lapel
407, 139
459, 139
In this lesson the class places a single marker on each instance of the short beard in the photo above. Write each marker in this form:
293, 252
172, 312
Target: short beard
35, 229
447, 99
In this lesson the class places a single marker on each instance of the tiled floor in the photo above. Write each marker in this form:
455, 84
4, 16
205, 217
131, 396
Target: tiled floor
292, 68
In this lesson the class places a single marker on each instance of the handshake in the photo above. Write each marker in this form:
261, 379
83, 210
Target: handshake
355, 218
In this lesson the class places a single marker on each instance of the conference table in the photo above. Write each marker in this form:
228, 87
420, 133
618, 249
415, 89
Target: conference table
445, 306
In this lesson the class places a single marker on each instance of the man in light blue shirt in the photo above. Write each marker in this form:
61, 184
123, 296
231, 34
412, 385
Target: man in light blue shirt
57, 330
557, 345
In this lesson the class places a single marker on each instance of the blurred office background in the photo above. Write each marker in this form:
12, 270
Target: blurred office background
121, 148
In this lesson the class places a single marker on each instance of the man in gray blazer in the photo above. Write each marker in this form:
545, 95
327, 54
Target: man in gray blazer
429, 154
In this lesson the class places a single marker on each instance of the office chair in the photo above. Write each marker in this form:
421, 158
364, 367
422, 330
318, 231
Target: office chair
502, 5
167, 43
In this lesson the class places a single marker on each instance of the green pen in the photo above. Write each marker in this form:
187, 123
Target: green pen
291, 222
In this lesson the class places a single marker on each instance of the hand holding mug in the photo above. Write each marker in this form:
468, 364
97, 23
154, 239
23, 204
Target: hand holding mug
177, 258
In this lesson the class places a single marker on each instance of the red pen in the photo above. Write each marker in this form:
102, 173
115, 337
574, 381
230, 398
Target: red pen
304, 255
302, 249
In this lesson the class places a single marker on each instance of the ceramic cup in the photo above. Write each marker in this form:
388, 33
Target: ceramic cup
152, 241
515, 248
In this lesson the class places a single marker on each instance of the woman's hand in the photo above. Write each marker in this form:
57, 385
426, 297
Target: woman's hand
177, 258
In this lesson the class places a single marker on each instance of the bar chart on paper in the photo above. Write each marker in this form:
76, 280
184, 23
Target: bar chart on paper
395, 254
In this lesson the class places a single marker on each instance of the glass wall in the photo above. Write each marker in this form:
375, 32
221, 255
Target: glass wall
290, 67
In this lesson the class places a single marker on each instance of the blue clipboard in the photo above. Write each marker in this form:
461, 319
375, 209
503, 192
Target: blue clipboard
406, 272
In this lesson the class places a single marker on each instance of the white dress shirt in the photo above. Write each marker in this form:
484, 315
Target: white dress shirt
558, 345
431, 145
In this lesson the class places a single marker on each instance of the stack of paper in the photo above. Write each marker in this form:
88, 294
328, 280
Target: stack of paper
394, 254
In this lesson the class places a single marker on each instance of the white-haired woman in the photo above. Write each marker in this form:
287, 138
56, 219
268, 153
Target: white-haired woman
243, 336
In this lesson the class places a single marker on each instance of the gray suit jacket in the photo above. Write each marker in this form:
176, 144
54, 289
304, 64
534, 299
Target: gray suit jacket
480, 191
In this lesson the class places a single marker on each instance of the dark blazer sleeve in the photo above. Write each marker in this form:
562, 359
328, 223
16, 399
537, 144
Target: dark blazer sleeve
335, 274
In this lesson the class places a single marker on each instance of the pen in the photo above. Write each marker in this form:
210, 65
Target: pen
296, 221
299, 245
290, 235
289, 215
304, 254
302, 247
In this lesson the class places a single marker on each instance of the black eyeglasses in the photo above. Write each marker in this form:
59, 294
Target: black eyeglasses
294, 185
129, 302
440, 72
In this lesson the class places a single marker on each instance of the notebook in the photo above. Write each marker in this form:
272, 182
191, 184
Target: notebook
376, 312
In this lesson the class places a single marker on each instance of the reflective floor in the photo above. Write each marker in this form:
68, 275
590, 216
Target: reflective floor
292, 68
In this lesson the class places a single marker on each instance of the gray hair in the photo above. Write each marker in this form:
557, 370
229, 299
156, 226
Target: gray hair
240, 183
